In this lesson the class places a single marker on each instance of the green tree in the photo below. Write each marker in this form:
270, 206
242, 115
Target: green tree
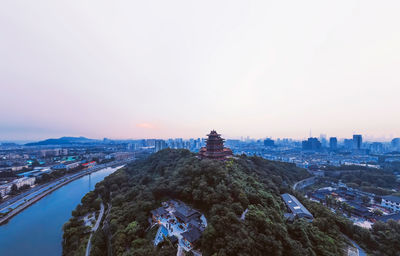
14, 189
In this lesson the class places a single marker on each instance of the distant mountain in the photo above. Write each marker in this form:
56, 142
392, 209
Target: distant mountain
63, 141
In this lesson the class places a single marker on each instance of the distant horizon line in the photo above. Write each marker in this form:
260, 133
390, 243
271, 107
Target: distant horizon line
241, 138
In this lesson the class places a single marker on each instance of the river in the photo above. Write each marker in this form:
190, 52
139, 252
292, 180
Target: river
38, 229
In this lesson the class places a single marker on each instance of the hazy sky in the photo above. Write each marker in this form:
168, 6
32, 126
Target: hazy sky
133, 69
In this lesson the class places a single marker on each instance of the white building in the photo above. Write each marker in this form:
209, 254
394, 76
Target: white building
24, 181
391, 202
66, 166
6, 188
72, 165
18, 168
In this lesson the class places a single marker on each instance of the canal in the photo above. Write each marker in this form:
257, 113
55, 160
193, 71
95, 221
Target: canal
38, 229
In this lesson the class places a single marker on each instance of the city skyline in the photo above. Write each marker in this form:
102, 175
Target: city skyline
365, 138
178, 69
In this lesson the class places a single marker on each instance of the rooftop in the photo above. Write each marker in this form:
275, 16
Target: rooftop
385, 218
179, 220
159, 211
295, 206
192, 235
395, 199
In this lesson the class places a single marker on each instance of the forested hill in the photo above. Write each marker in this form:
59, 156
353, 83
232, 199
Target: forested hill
222, 190
63, 141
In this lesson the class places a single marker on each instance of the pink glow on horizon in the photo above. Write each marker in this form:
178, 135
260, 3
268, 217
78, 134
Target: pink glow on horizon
161, 69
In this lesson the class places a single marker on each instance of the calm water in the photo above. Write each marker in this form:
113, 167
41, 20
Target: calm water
38, 229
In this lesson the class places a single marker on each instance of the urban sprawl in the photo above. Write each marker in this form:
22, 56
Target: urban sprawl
30, 166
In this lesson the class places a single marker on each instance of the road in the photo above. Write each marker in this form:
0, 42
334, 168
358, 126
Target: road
12, 200
32, 193
28, 195
304, 183
361, 252
356, 251
94, 229
17, 204
96, 226
180, 251
89, 246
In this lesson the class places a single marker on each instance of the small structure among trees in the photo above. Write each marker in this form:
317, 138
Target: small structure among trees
179, 222
297, 210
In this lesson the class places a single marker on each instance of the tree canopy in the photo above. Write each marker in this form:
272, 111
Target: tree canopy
222, 190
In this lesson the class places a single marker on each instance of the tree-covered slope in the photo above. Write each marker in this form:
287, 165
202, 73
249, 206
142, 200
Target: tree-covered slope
222, 190
63, 141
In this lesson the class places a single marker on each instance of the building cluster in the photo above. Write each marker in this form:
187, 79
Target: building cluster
22, 165
321, 151
316, 144
212, 147
179, 223
361, 207
391, 202
311, 144
157, 144
313, 151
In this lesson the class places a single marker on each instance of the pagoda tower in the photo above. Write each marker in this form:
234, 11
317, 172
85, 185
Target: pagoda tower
214, 148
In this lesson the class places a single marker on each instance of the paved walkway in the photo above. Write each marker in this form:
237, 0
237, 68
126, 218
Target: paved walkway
359, 250
180, 251
243, 217
94, 229
304, 183
356, 251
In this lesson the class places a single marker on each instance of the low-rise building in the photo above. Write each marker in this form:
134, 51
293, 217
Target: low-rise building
358, 209
66, 166
296, 209
72, 165
190, 237
391, 202
122, 155
24, 181
386, 218
158, 213
19, 168
6, 188
185, 214
59, 167
178, 221
90, 164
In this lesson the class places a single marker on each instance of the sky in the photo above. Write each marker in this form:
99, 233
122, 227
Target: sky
160, 69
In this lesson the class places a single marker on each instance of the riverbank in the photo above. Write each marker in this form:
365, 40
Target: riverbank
56, 185
38, 230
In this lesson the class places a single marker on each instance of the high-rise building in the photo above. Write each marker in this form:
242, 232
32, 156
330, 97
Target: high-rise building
311, 144
160, 145
269, 143
357, 141
323, 140
348, 143
333, 143
376, 147
396, 143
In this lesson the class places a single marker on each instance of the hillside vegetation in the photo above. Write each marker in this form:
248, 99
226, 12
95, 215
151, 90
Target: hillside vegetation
222, 190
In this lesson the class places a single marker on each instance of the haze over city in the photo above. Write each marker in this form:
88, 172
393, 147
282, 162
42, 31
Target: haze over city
199, 128
160, 69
